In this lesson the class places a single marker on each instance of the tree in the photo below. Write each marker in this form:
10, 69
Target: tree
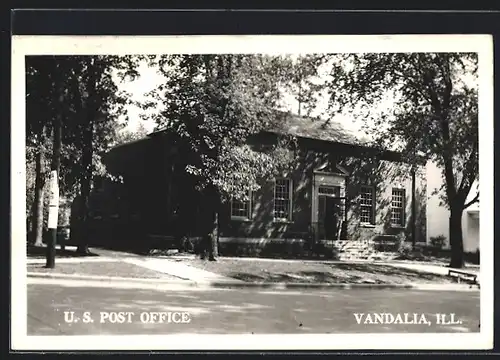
90, 106
40, 111
434, 113
97, 105
213, 104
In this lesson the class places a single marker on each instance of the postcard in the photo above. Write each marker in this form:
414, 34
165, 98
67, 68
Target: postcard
252, 192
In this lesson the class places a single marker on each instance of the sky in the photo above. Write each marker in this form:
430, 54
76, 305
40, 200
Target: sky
149, 79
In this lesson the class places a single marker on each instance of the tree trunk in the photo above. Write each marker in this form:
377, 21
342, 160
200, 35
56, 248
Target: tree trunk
84, 223
91, 113
213, 250
84, 232
37, 216
211, 215
86, 188
456, 238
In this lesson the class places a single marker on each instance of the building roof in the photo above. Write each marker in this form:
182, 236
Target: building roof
315, 128
324, 131
308, 127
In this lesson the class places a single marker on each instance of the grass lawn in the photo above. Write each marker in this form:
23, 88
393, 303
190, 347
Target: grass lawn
315, 272
39, 252
101, 268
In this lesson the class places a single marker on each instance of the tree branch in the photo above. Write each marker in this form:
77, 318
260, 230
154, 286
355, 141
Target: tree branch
475, 200
470, 172
445, 68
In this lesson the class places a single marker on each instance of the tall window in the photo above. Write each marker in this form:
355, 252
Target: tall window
367, 205
398, 207
283, 199
241, 209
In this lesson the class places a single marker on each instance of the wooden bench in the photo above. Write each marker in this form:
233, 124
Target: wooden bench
463, 275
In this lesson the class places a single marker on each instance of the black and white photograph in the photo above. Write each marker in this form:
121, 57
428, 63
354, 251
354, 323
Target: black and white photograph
252, 192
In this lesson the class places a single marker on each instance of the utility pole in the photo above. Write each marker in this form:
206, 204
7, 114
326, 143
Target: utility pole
54, 191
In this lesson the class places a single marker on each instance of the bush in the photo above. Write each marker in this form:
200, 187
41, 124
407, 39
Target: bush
186, 244
472, 257
404, 248
268, 248
438, 242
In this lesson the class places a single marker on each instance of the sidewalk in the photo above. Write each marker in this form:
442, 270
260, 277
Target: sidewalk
180, 270
430, 268
164, 266
165, 270
422, 267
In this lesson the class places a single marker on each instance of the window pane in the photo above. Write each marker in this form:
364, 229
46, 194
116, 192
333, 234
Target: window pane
366, 204
240, 208
282, 199
397, 207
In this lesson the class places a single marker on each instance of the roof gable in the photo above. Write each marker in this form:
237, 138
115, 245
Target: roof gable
335, 169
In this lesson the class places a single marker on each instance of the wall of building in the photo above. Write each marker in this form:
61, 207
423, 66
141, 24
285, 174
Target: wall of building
470, 223
383, 175
262, 224
438, 213
153, 199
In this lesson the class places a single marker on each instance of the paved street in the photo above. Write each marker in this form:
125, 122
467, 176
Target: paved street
256, 311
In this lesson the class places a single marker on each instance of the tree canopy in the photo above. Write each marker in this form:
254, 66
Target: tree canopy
81, 92
415, 103
420, 104
213, 103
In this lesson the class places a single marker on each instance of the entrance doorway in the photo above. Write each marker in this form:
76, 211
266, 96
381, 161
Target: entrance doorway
330, 212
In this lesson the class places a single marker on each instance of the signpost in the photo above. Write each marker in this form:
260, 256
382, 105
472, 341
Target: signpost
54, 193
53, 218
53, 201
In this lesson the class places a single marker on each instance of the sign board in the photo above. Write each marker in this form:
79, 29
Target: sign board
53, 201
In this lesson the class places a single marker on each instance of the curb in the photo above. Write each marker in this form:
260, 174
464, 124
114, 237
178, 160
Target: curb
325, 286
110, 278
256, 285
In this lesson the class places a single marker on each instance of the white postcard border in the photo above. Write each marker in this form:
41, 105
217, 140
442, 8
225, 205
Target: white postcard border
273, 44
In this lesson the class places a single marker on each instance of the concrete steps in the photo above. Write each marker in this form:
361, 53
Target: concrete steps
357, 250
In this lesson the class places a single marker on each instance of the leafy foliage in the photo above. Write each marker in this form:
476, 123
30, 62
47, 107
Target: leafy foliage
82, 92
420, 104
73, 87
431, 111
438, 242
214, 103
124, 136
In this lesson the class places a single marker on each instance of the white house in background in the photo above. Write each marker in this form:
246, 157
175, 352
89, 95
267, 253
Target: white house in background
438, 215
470, 223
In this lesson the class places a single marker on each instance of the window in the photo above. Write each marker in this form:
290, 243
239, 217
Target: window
241, 209
283, 199
367, 205
398, 207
